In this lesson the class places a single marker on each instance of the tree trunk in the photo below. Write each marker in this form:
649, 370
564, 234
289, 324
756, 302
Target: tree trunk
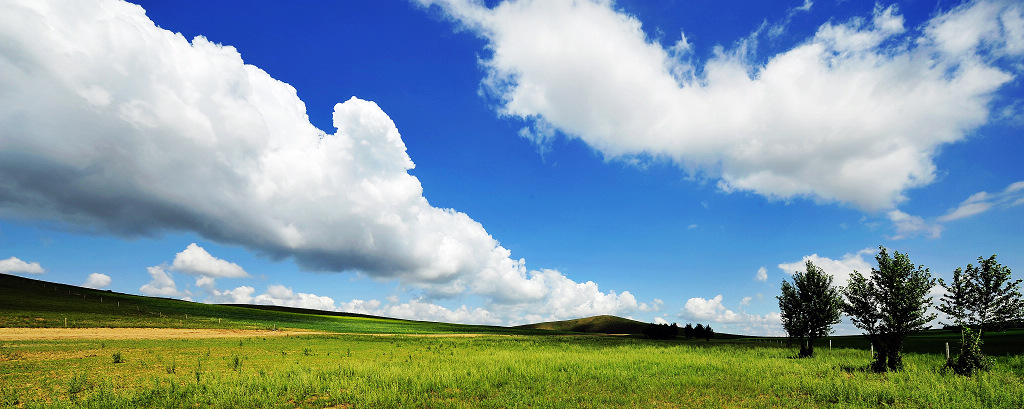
879, 364
895, 360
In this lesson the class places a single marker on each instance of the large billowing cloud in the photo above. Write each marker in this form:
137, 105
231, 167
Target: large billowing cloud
112, 125
854, 114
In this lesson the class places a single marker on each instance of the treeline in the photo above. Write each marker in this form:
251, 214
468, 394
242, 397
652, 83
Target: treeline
893, 300
666, 331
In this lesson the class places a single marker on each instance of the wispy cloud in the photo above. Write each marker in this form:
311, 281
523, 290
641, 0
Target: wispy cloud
780, 28
907, 225
982, 202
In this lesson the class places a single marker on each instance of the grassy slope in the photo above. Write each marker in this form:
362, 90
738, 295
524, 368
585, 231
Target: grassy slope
601, 324
26, 302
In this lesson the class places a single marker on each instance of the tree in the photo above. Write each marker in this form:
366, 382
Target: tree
956, 302
661, 331
977, 299
983, 296
688, 331
809, 307
889, 305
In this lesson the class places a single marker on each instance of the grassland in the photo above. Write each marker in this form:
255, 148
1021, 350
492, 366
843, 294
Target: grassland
25, 302
495, 367
485, 371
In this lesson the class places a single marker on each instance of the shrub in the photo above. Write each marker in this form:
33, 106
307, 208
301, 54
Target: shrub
971, 359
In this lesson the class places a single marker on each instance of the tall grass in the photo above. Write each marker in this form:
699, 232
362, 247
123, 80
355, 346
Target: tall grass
490, 371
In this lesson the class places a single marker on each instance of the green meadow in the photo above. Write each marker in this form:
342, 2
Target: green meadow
429, 365
487, 371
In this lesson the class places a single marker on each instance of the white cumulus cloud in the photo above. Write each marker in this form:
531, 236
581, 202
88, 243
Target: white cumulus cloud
15, 265
280, 295
854, 114
112, 124
762, 274
161, 284
195, 260
704, 310
97, 281
840, 269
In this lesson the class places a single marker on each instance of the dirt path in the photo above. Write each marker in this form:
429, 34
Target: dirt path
31, 334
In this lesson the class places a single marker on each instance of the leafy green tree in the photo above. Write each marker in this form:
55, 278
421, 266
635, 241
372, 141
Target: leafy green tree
983, 296
809, 307
889, 305
957, 301
790, 312
980, 298
864, 313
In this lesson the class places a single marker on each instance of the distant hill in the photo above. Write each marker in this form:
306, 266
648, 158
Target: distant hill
601, 324
27, 302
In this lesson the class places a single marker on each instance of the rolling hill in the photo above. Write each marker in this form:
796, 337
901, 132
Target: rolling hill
601, 324
26, 302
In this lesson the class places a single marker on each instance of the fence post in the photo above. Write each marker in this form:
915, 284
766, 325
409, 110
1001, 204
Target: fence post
947, 351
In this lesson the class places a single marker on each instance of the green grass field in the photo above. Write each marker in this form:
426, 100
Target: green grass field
487, 371
38, 304
497, 368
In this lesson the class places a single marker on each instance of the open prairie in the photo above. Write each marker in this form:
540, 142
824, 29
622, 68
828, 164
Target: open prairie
145, 352
484, 371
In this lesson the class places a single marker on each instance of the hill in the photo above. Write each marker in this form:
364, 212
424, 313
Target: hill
27, 303
601, 324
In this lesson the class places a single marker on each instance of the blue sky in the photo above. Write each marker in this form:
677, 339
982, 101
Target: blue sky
506, 162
